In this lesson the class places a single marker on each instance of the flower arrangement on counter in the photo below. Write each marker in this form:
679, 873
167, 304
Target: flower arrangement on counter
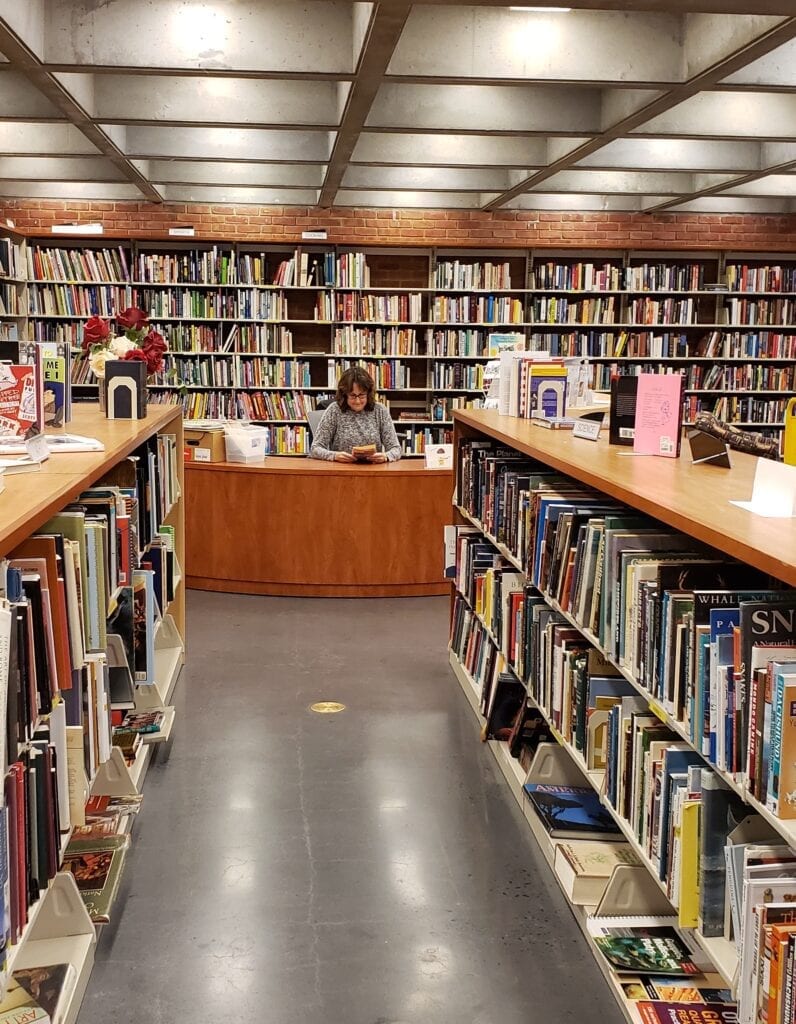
137, 341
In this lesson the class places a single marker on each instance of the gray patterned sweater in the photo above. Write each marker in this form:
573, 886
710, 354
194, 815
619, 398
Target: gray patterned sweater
340, 431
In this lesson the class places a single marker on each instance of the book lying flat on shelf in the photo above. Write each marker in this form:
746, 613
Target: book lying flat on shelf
584, 869
638, 948
691, 990
571, 812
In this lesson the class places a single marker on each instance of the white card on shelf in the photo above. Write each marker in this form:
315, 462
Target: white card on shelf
773, 491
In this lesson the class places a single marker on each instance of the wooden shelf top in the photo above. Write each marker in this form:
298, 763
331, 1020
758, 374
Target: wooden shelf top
303, 466
692, 498
29, 499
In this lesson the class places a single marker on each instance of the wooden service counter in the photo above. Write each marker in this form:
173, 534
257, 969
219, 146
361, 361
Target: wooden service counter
304, 528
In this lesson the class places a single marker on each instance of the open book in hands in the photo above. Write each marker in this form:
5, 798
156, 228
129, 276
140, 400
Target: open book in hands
363, 452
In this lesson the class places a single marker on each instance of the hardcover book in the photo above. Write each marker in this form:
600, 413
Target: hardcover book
584, 869
622, 416
571, 811
97, 867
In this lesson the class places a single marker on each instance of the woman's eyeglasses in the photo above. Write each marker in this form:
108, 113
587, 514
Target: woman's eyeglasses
356, 395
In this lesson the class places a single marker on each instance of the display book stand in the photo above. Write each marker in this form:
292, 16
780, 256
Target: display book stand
59, 928
632, 891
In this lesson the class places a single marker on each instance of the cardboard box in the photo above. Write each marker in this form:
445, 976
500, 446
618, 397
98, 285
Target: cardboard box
205, 444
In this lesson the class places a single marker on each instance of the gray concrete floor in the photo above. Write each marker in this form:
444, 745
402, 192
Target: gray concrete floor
368, 867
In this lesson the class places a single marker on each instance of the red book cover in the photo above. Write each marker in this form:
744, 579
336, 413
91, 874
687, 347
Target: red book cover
19, 410
46, 548
21, 844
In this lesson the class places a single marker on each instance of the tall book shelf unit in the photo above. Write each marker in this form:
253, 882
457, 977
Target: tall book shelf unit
262, 331
494, 652
263, 334
13, 286
51, 923
726, 321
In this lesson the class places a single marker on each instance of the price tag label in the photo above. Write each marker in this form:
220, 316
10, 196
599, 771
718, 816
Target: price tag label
37, 448
588, 429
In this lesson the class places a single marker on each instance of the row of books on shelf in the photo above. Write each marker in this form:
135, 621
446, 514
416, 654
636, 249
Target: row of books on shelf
276, 405
742, 277
12, 262
557, 310
405, 308
760, 311
750, 377
80, 603
10, 304
72, 264
491, 309
231, 264
537, 649
725, 872
672, 276
248, 304
387, 374
460, 274
734, 409
651, 599
381, 341
80, 300
666, 345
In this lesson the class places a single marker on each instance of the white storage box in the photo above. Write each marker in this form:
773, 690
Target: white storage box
245, 443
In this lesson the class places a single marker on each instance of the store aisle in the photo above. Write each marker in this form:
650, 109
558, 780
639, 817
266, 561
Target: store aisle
368, 867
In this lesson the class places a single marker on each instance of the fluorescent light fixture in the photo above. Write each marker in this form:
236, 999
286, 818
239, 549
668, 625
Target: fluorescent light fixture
76, 229
538, 10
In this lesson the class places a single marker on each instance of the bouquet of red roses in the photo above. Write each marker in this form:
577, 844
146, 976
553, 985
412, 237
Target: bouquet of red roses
137, 340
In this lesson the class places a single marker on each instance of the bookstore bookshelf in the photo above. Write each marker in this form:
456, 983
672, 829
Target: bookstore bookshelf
614, 614
92, 621
262, 332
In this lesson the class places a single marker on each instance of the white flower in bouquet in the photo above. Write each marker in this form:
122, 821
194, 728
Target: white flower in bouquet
120, 346
97, 361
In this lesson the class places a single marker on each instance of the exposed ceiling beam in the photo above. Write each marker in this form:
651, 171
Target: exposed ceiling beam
722, 187
381, 38
22, 58
764, 44
783, 7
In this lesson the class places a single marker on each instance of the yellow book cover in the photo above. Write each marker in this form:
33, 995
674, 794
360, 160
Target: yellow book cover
688, 911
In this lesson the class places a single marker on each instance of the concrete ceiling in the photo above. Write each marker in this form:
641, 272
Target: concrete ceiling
612, 105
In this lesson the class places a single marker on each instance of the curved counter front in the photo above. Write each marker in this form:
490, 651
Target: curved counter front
303, 528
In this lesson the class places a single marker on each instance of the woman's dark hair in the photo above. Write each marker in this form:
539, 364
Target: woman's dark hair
355, 375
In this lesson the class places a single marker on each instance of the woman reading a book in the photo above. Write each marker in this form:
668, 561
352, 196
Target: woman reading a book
355, 427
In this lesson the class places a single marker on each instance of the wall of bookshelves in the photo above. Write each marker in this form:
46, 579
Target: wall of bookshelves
534, 601
262, 332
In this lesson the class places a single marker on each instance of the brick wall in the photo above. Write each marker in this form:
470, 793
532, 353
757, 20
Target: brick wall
504, 228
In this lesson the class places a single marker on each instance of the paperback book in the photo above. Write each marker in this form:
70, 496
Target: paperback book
657, 950
571, 812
